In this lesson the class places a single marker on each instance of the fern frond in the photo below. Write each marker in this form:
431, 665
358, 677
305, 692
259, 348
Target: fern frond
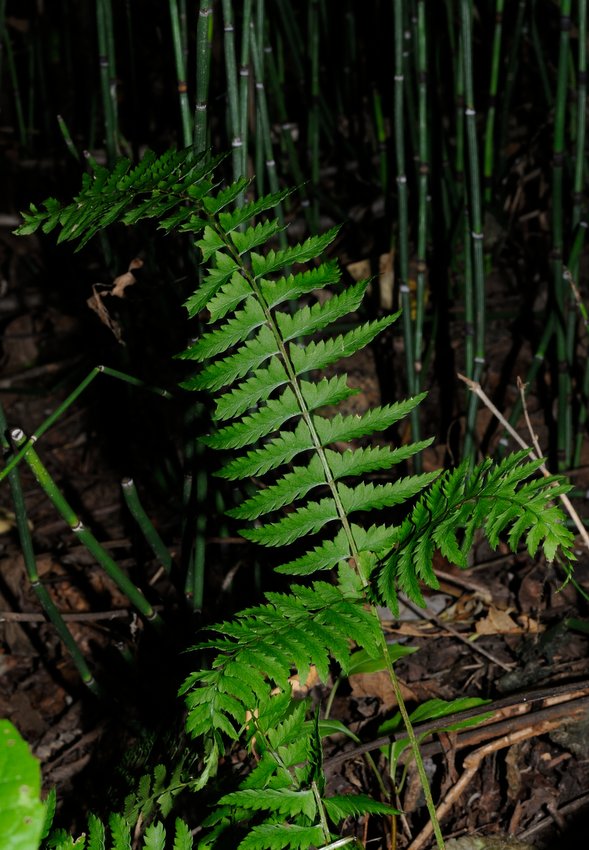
182, 835
278, 411
309, 320
272, 410
498, 498
283, 801
229, 221
291, 487
155, 837
274, 261
338, 807
262, 646
293, 287
120, 832
278, 836
280, 450
156, 187
318, 355
255, 389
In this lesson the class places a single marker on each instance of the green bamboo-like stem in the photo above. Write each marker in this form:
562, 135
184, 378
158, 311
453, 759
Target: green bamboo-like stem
244, 81
476, 214
263, 137
579, 225
510, 77
85, 536
584, 390
156, 544
381, 140
184, 29
53, 417
403, 202
204, 43
181, 75
295, 39
422, 190
560, 291
196, 512
540, 56
105, 47
12, 73
350, 77
469, 310
264, 121
286, 129
232, 89
30, 562
313, 126
30, 119
194, 589
69, 142
489, 159
579, 155
578, 201
459, 101
539, 357
112, 65
44, 96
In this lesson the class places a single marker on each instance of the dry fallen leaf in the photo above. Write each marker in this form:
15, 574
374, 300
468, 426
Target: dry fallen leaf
378, 685
120, 283
499, 622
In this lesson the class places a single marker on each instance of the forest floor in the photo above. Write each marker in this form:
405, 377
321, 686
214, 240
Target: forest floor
500, 630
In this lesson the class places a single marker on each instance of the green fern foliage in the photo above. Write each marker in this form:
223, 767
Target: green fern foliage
258, 650
118, 836
499, 498
273, 321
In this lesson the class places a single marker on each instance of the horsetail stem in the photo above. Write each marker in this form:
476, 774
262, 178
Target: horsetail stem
489, 159
476, 219
107, 76
83, 534
181, 75
560, 290
26, 544
204, 43
157, 545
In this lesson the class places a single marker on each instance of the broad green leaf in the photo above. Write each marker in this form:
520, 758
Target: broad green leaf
22, 814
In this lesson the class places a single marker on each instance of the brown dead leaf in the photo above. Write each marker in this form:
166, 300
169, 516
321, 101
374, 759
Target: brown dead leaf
529, 625
96, 303
120, 284
359, 270
386, 279
379, 685
497, 623
302, 690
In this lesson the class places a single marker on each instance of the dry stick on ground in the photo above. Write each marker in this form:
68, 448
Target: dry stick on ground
433, 618
515, 730
478, 390
471, 765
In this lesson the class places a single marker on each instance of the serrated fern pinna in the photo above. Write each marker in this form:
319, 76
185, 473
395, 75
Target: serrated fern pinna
261, 358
